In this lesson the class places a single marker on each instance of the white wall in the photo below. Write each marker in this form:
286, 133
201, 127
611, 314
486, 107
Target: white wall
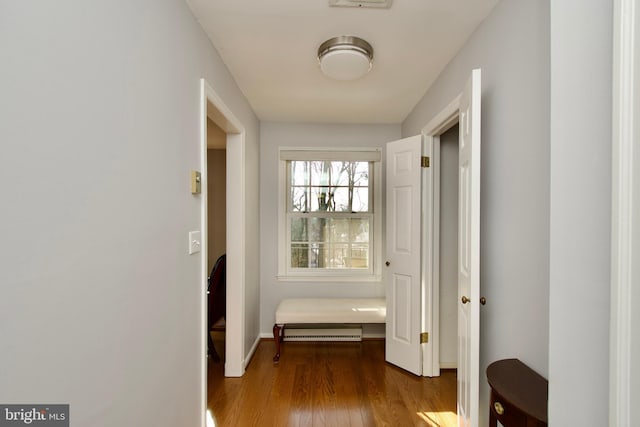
512, 48
272, 136
99, 301
581, 55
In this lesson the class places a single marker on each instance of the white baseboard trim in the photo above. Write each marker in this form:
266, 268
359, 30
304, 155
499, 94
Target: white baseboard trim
448, 365
251, 353
373, 335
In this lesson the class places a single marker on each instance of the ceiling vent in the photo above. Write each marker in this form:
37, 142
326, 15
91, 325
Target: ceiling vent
377, 4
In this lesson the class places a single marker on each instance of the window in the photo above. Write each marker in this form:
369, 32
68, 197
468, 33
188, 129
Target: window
329, 214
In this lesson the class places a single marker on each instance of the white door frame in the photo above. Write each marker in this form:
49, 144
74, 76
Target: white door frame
442, 122
625, 240
222, 116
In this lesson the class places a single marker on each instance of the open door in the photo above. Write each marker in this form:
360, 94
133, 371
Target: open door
469, 254
403, 254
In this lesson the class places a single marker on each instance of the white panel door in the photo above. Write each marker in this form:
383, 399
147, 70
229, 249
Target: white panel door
403, 254
469, 254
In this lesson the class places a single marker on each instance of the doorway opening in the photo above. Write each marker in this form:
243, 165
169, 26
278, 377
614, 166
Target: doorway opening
446, 244
216, 238
214, 110
440, 240
464, 111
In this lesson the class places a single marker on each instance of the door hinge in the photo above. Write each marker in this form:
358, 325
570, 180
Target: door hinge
424, 337
425, 162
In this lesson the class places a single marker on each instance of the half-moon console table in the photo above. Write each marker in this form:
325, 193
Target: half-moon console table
519, 395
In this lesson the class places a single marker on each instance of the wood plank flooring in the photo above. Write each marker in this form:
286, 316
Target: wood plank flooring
329, 384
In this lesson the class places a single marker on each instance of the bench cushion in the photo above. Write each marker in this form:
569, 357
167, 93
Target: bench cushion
331, 310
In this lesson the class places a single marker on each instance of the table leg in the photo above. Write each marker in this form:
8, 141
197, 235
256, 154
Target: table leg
277, 329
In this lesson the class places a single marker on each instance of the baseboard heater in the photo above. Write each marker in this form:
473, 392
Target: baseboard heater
323, 334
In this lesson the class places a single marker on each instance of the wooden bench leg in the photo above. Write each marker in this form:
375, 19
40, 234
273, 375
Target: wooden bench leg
278, 332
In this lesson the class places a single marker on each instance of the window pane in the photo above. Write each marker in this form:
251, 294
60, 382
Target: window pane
329, 186
341, 200
321, 200
361, 175
299, 173
320, 173
317, 255
360, 256
299, 199
316, 229
299, 256
360, 200
350, 173
359, 230
338, 256
341, 173
331, 243
339, 229
299, 230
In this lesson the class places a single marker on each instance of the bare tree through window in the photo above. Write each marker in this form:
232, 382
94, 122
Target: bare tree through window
329, 214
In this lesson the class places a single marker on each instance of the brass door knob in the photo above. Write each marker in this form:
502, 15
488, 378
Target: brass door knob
483, 300
498, 407
464, 299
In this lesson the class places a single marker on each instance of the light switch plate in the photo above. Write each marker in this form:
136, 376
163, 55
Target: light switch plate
194, 242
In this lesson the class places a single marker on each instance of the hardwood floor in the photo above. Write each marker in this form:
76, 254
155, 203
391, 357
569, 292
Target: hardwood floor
329, 384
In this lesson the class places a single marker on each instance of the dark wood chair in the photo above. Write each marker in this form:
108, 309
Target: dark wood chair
217, 302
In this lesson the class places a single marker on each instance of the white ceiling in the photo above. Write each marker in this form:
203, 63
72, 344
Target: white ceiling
270, 47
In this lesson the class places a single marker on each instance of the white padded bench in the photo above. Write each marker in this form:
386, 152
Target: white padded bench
326, 311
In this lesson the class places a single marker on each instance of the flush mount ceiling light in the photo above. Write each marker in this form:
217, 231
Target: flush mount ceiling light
345, 57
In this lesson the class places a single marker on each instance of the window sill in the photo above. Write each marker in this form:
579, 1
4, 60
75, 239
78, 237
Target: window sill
329, 278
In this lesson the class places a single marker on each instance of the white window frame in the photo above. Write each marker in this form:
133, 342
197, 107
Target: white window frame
373, 273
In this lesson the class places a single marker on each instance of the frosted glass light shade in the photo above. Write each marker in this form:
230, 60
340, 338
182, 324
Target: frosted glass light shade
345, 57
345, 64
